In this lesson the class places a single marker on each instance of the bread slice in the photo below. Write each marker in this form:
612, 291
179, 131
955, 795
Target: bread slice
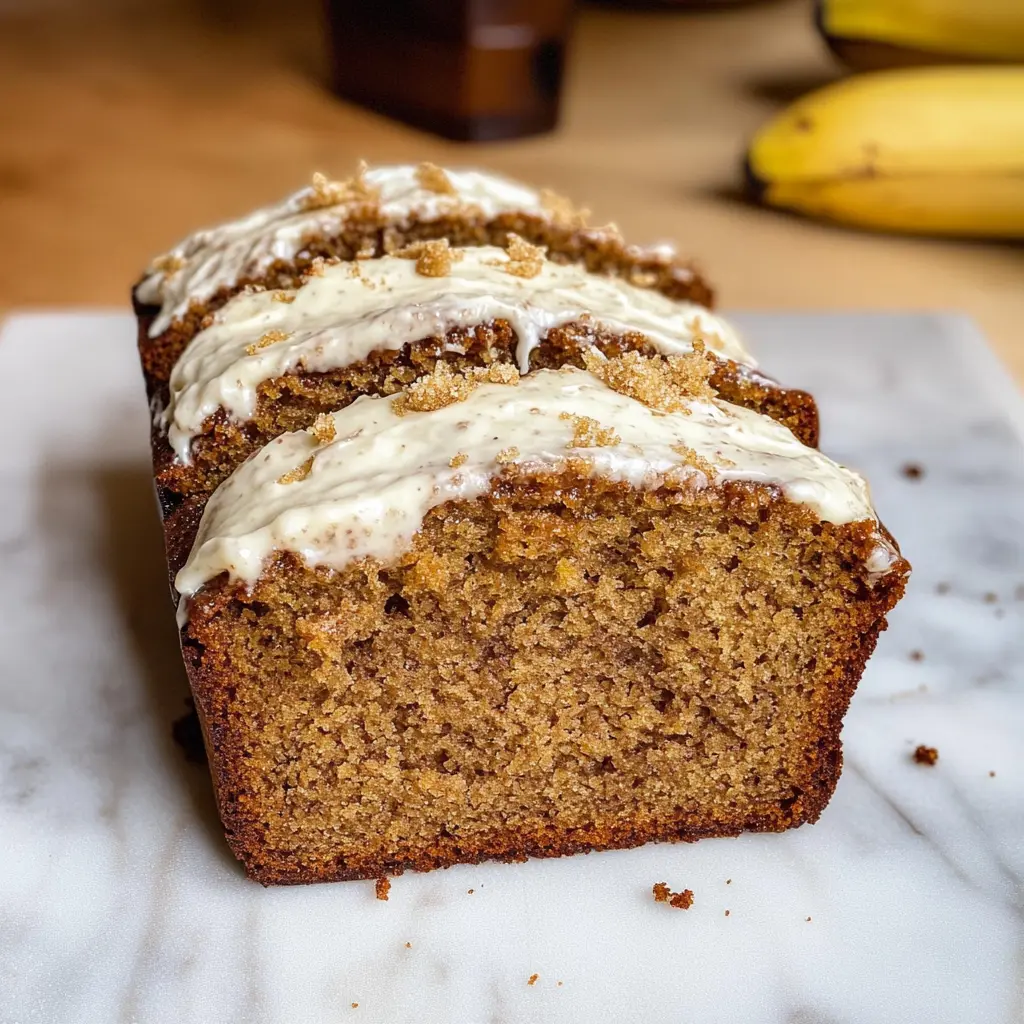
378, 211
501, 617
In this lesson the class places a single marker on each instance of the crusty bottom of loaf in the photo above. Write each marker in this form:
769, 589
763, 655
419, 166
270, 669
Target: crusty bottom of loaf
563, 665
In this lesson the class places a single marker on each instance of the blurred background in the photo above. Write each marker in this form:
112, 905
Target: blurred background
125, 124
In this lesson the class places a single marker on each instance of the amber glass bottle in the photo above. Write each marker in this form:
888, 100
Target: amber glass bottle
473, 70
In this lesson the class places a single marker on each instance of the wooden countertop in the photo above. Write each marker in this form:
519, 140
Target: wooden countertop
118, 135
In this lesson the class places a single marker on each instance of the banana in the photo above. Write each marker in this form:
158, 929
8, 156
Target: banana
932, 151
870, 34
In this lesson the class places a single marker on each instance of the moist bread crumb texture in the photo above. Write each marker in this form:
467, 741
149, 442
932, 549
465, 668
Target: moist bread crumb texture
563, 658
538, 676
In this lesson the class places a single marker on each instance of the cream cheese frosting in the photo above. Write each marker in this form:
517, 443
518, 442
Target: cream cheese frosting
353, 309
218, 257
365, 492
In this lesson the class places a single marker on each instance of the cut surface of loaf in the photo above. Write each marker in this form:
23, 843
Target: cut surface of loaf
489, 539
502, 617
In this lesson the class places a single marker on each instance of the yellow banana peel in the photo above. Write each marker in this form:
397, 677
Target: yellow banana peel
936, 151
877, 32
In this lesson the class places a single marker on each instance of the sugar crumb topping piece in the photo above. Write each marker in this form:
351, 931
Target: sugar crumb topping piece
680, 900
281, 296
293, 476
324, 192
497, 373
524, 259
532, 980
317, 267
662, 383
926, 755
433, 258
435, 179
270, 338
642, 277
588, 432
446, 387
691, 458
167, 264
507, 455
458, 459
381, 888
564, 212
323, 429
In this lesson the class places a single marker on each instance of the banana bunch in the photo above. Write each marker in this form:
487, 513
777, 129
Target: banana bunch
870, 34
927, 151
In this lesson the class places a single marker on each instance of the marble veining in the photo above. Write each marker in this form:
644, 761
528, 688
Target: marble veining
120, 903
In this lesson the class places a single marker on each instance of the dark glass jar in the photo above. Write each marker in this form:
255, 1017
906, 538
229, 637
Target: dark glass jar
474, 70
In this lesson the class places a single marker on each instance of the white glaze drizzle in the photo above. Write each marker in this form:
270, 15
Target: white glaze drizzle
369, 489
221, 256
338, 319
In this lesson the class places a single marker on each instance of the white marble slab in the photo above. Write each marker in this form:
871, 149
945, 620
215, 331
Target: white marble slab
119, 901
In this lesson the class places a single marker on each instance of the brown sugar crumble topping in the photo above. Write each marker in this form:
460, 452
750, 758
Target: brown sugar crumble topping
435, 391
167, 264
588, 433
524, 259
293, 476
317, 267
270, 338
280, 296
662, 383
382, 887
433, 258
323, 192
507, 455
691, 458
680, 900
445, 387
435, 179
532, 979
323, 428
926, 755
458, 459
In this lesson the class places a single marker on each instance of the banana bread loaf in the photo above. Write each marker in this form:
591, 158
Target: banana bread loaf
484, 553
